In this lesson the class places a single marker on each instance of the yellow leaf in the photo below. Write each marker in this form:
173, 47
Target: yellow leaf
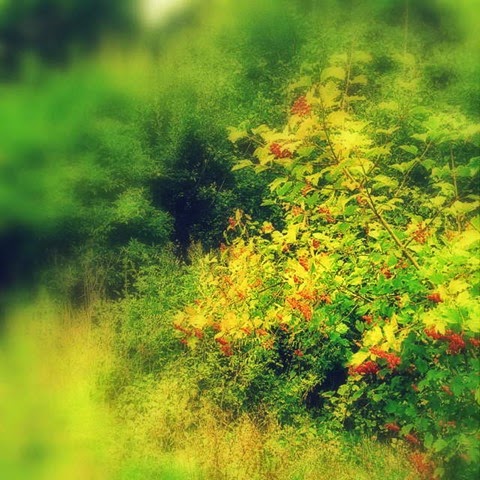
359, 79
263, 155
361, 57
241, 164
333, 72
324, 262
389, 332
337, 118
307, 127
433, 319
198, 321
359, 357
304, 81
329, 94
466, 239
291, 235
261, 130
192, 342
373, 336
457, 286
229, 321
388, 105
236, 134
338, 58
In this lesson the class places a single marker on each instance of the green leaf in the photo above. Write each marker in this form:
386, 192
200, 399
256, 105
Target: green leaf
242, 164
439, 445
428, 440
359, 79
404, 166
477, 395
385, 181
422, 137
276, 183
410, 149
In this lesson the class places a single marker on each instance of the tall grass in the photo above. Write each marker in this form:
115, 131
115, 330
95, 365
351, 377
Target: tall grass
57, 423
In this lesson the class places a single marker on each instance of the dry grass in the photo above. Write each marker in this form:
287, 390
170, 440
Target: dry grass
167, 424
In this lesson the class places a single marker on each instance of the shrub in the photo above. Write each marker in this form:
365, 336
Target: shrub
373, 270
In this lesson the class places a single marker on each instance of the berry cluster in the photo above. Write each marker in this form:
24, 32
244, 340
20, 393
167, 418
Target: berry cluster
366, 368
303, 261
182, 329
421, 234
246, 330
225, 346
386, 272
361, 200
368, 319
325, 298
301, 107
413, 439
392, 427
423, 465
447, 390
393, 360
306, 190
267, 228
328, 215
296, 211
284, 327
308, 294
435, 297
277, 151
433, 334
475, 342
456, 342
303, 308
232, 223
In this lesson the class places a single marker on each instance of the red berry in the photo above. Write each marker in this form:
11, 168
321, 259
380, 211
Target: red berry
366, 368
456, 343
413, 439
301, 107
392, 427
447, 390
432, 333
367, 319
277, 151
475, 342
304, 263
434, 297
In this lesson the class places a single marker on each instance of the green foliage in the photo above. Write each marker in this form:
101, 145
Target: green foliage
155, 285
75, 172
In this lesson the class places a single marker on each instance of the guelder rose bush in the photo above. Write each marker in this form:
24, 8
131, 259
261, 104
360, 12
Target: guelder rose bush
364, 300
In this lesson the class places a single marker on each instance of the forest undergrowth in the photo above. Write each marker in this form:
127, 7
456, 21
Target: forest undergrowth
59, 423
